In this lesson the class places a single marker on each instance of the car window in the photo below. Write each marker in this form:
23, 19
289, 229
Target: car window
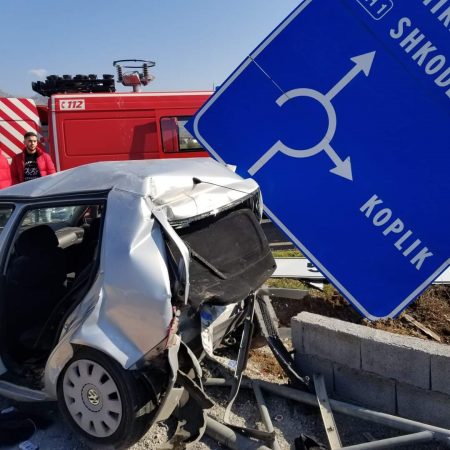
63, 214
5, 214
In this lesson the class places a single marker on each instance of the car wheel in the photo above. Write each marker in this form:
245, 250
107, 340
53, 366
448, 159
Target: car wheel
106, 405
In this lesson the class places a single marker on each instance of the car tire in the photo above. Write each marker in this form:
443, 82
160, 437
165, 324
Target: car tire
108, 406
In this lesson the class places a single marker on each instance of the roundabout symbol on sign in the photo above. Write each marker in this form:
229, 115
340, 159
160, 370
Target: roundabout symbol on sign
342, 168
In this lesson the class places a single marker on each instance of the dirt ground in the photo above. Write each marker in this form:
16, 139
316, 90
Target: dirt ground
432, 309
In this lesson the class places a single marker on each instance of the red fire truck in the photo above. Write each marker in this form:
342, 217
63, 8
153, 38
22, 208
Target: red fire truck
87, 121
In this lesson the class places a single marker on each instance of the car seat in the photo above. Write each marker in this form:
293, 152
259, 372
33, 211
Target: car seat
34, 280
83, 254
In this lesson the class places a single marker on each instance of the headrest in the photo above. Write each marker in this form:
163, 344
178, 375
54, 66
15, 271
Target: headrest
38, 238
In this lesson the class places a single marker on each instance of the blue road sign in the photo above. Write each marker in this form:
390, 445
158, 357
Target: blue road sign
342, 116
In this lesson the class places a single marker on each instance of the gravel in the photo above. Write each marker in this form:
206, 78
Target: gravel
289, 418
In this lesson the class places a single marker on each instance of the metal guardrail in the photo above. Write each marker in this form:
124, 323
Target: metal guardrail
238, 437
303, 269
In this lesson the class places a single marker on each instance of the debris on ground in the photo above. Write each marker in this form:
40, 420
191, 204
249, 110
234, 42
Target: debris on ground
293, 422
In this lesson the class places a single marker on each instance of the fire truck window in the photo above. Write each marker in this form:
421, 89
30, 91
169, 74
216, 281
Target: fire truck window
176, 138
169, 131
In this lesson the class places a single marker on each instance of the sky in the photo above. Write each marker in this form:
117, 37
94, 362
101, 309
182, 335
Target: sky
196, 44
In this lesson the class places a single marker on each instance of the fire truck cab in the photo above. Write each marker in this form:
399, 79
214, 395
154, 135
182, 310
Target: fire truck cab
87, 128
86, 121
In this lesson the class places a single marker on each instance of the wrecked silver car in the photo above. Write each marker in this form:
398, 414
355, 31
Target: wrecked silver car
110, 272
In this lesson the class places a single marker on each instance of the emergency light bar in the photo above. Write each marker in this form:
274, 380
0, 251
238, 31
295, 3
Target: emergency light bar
55, 84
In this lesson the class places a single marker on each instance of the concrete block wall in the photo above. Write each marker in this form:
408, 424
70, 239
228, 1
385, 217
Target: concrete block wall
396, 374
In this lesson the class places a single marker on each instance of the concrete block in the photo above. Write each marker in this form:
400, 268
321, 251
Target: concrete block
425, 406
365, 389
440, 369
297, 334
329, 338
311, 364
404, 358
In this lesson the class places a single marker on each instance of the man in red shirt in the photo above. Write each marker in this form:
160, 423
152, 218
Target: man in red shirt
32, 162
5, 172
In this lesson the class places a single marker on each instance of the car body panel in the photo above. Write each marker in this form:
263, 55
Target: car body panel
128, 311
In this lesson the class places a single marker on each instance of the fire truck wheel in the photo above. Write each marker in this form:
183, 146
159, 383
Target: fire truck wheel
106, 405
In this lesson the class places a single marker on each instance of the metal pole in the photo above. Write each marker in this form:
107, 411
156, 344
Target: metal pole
407, 425
327, 414
395, 442
410, 426
223, 382
229, 437
265, 416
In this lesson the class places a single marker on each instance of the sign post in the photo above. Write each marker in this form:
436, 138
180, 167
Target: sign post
342, 116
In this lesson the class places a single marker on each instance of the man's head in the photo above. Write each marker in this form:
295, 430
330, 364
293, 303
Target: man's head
30, 139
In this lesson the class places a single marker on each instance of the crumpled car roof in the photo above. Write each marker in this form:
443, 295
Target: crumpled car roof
132, 176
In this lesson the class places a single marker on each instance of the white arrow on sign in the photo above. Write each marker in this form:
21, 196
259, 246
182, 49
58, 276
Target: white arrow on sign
343, 168
363, 63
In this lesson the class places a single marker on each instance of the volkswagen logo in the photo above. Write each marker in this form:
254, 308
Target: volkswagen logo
93, 397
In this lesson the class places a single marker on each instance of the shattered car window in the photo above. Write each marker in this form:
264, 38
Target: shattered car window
50, 215
5, 214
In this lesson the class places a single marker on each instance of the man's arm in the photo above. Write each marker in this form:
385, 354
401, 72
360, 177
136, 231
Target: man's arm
14, 174
49, 164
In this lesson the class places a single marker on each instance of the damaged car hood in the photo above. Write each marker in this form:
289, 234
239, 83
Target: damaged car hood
189, 198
